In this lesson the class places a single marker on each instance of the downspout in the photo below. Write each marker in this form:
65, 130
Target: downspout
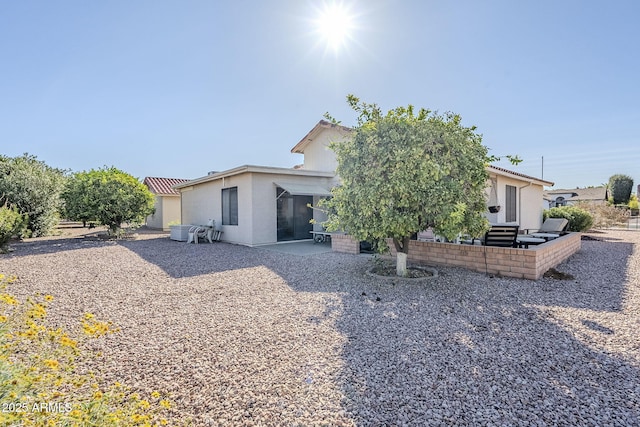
181, 206
520, 201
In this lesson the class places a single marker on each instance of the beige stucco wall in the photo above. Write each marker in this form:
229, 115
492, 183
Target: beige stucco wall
198, 204
170, 211
204, 201
257, 216
155, 220
167, 210
318, 156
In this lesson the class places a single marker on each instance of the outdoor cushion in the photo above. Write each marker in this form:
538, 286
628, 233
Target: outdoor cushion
554, 225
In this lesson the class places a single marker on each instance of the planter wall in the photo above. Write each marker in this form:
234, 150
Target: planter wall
529, 263
344, 243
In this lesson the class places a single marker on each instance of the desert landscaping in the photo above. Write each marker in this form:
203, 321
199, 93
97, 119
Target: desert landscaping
245, 336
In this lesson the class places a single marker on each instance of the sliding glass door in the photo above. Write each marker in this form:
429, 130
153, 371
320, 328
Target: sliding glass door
293, 216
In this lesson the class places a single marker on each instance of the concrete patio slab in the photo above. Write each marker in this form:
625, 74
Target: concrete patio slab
304, 247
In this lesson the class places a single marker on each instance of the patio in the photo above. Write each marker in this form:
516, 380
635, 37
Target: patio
302, 248
245, 336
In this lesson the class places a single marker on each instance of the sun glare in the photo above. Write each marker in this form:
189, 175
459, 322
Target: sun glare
334, 25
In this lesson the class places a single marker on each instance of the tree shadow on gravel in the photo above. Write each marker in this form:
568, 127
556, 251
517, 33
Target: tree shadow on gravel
56, 245
592, 280
445, 359
181, 260
473, 350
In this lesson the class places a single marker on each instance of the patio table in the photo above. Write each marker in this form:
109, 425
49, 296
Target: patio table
545, 236
524, 242
320, 236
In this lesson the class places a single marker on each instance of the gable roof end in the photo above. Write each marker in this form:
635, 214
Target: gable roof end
162, 186
322, 124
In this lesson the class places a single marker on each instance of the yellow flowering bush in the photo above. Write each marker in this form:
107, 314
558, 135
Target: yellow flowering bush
39, 383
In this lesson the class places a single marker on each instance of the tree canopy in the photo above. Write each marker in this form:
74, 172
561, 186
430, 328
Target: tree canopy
108, 195
403, 172
620, 187
33, 188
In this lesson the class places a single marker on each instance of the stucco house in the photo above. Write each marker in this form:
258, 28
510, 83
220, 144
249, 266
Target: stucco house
258, 205
519, 196
167, 202
568, 197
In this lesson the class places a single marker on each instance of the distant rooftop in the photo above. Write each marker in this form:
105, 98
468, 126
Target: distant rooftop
162, 186
578, 194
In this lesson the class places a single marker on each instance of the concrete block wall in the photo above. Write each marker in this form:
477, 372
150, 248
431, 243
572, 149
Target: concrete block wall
345, 243
520, 263
554, 252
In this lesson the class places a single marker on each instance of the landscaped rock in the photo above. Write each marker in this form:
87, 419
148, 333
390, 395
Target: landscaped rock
245, 336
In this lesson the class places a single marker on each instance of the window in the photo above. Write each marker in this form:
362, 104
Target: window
510, 199
230, 206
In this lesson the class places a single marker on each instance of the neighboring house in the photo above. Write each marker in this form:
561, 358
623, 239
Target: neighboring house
257, 205
167, 202
568, 197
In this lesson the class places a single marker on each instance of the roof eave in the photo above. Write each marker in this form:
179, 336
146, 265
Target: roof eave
322, 124
521, 177
255, 169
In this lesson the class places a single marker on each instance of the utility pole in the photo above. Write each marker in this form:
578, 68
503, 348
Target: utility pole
542, 177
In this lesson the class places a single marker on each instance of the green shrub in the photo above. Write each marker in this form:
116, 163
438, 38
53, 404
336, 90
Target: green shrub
11, 224
605, 216
579, 219
34, 189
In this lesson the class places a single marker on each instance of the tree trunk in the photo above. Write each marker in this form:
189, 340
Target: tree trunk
401, 264
402, 249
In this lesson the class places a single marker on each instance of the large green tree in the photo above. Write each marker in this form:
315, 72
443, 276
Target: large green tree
108, 195
620, 187
78, 199
33, 188
403, 172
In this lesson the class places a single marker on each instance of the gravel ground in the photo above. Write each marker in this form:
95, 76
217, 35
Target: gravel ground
245, 336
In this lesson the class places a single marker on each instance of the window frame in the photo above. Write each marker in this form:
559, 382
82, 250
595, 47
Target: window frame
511, 203
229, 206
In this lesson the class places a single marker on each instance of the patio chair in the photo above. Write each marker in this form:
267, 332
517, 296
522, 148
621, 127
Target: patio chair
426, 235
552, 228
505, 236
195, 233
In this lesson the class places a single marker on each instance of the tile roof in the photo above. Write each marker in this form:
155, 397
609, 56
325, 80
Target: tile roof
528, 177
163, 185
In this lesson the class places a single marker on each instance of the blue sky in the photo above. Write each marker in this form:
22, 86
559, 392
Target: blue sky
180, 88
